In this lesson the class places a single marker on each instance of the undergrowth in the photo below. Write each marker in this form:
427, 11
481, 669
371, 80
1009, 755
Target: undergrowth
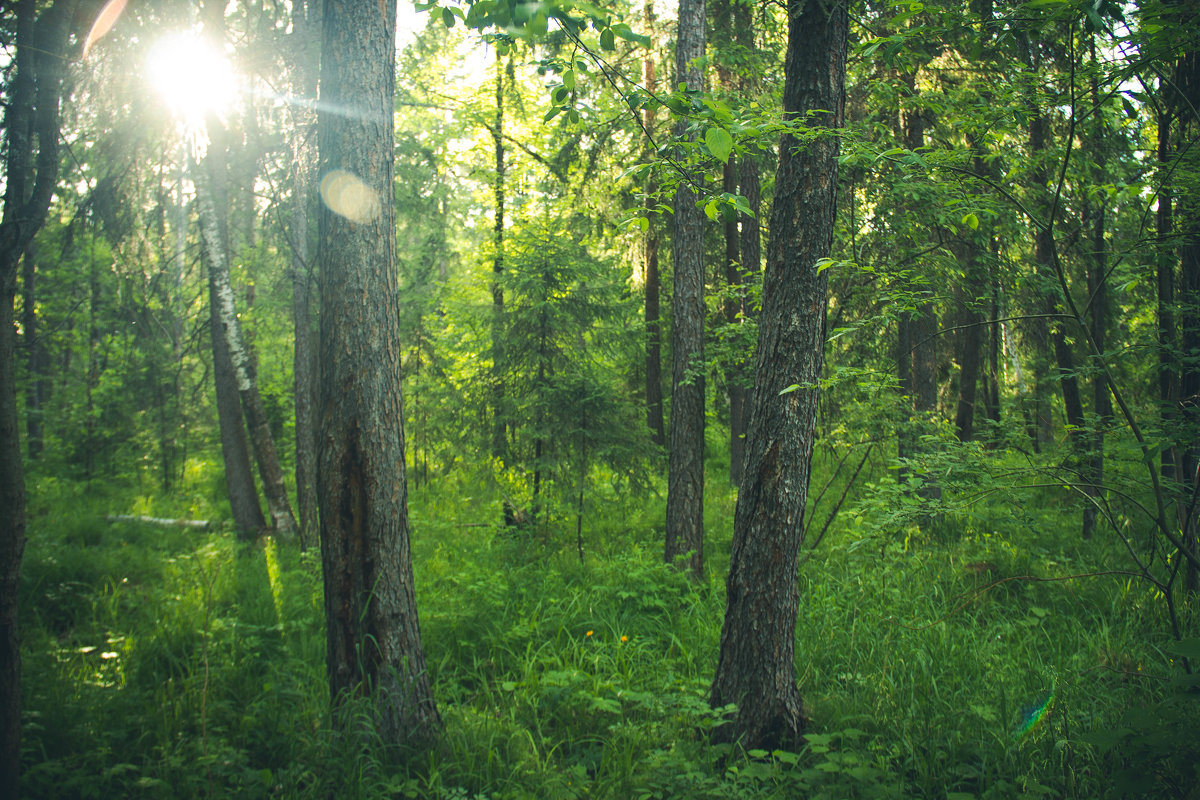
167, 663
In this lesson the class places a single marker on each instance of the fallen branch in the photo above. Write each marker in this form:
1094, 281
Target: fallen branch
201, 524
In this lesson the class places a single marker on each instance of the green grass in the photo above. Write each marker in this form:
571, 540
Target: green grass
169, 663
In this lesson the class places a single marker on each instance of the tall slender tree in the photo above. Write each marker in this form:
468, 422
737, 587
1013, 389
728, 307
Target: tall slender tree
756, 666
685, 482
31, 130
372, 633
304, 56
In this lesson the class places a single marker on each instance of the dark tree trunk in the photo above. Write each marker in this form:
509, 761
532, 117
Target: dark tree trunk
756, 667
734, 307
904, 385
31, 126
733, 304
995, 347
35, 388
1050, 292
970, 340
1187, 83
306, 24
654, 397
1165, 274
499, 412
372, 631
924, 322
1097, 267
685, 481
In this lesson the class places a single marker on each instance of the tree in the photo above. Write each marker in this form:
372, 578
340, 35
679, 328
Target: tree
31, 128
755, 668
227, 333
685, 481
303, 77
372, 632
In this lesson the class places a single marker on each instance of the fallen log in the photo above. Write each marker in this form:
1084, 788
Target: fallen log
201, 524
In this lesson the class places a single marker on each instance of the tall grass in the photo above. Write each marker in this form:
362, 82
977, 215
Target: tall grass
175, 664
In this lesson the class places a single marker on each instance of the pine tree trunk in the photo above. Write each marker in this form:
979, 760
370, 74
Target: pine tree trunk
36, 82
372, 632
36, 385
685, 481
756, 666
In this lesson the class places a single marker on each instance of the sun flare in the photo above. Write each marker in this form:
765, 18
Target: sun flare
193, 76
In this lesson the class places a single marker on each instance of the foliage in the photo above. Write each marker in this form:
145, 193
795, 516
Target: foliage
176, 663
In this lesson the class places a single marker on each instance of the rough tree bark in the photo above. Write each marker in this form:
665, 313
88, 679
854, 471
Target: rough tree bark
372, 633
244, 507
31, 128
228, 332
685, 480
756, 667
35, 390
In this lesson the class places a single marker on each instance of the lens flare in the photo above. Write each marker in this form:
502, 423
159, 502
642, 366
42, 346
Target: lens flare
1033, 715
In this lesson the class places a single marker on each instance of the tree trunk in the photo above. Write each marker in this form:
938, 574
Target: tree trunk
1187, 83
1097, 283
1165, 275
685, 481
654, 398
1048, 289
31, 173
372, 632
756, 666
247, 514
210, 194
499, 411
34, 351
305, 23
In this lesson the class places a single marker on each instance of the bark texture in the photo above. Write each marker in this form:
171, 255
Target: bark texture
373, 636
31, 128
244, 507
756, 667
228, 332
685, 481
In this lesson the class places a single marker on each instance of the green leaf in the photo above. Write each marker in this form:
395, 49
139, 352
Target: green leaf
971, 221
447, 18
719, 142
569, 79
789, 390
607, 42
712, 210
552, 113
539, 24
626, 33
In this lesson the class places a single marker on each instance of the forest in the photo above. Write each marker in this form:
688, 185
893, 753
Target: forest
551, 399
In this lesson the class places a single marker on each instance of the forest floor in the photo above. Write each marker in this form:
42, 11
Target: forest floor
174, 663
